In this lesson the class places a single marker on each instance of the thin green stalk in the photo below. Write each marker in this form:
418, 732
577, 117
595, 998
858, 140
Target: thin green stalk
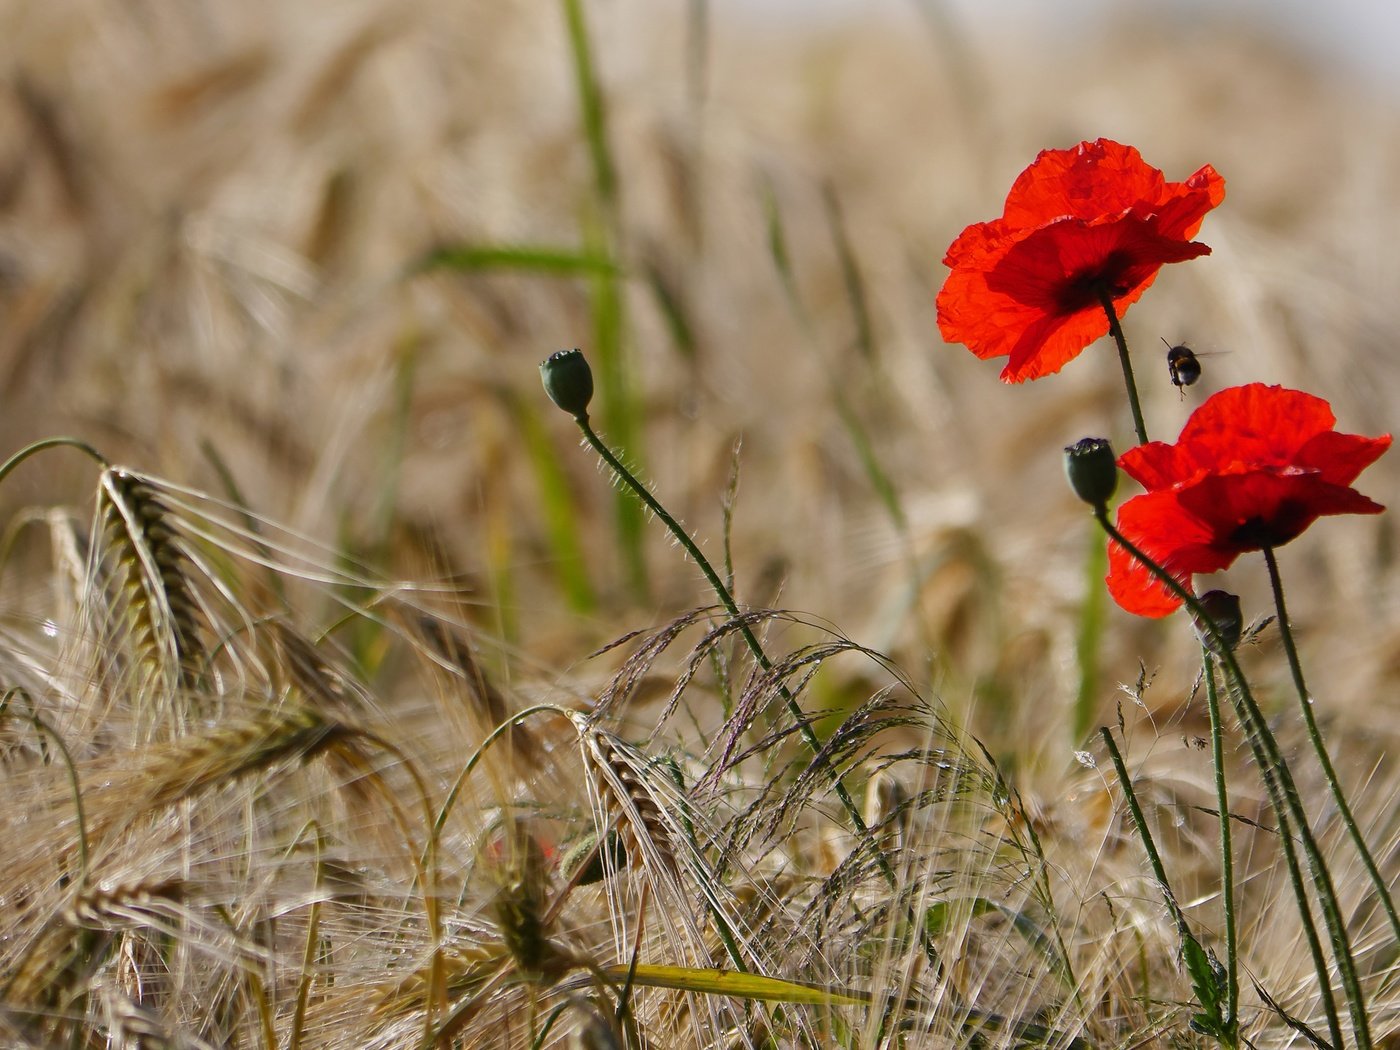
73, 783
1324, 760
1116, 330
845, 409
250, 521
603, 238
310, 952
732, 608
53, 442
1300, 892
1200, 967
450, 802
621, 411
1283, 797
592, 111
1159, 871
1227, 855
560, 512
1087, 639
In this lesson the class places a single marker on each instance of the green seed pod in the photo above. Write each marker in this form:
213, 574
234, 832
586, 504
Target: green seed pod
1223, 608
575, 870
1092, 470
568, 381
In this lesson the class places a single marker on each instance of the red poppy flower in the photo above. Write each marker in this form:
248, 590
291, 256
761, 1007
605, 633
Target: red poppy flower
1255, 465
1076, 222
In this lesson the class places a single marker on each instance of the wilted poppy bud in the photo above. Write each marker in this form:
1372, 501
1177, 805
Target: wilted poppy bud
1092, 470
568, 381
1223, 608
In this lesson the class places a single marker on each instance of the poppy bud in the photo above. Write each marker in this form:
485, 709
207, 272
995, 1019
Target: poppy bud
1092, 470
1223, 608
568, 381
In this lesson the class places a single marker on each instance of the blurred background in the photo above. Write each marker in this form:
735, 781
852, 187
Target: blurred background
308, 256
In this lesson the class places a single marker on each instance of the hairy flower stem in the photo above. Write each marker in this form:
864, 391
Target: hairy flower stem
1159, 871
1324, 760
1227, 853
1200, 966
1116, 330
1285, 802
732, 608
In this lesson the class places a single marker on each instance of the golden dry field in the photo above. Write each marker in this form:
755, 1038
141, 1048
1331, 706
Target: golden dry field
289, 269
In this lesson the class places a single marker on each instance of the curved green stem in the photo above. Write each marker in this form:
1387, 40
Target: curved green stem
450, 802
1116, 330
1227, 854
732, 608
1295, 666
1283, 799
53, 442
73, 783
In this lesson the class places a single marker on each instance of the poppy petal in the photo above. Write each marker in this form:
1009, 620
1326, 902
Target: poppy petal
1268, 508
1254, 424
1170, 535
1340, 458
1077, 223
1088, 181
1254, 467
1182, 215
1158, 465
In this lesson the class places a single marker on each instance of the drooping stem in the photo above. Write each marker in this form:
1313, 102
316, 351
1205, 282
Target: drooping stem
1283, 799
1295, 666
53, 442
73, 783
1227, 855
1116, 330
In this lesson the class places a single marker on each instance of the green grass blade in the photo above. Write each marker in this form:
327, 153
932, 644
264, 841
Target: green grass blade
1088, 637
542, 259
561, 520
395, 445
673, 312
778, 252
618, 411
750, 986
879, 480
250, 520
591, 108
602, 234
850, 275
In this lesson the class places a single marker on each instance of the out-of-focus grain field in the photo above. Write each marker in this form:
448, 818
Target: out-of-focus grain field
306, 257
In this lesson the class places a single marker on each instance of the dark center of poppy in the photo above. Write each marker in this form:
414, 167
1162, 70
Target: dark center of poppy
1084, 288
1287, 521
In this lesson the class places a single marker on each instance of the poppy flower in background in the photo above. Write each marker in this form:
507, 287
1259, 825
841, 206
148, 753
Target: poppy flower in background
1254, 466
1078, 222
